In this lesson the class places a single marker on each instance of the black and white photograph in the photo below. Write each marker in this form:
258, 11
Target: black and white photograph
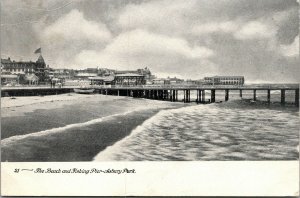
149, 80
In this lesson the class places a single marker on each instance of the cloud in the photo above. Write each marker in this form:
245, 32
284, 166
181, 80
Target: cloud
166, 16
219, 27
139, 48
216, 27
194, 37
291, 50
241, 30
255, 30
75, 27
142, 43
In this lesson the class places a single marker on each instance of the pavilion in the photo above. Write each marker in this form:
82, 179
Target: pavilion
129, 79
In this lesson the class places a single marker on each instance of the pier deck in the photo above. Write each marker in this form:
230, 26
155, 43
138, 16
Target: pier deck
170, 92
161, 92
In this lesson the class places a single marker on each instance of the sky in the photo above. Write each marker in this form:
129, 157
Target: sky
190, 39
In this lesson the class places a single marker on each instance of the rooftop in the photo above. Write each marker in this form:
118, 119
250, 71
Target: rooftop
129, 75
9, 76
226, 77
104, 78
86, 74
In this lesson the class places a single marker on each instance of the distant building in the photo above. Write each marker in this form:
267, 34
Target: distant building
167, 81
160, 81
61, 73
32, 79
13, 67
84, 76
224, 80
105, 72
174, 81
9, 79
25, 67
191, 82
92, 70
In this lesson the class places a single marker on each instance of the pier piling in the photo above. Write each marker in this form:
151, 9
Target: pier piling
226, 94
297, 97
241, 93
254, 94
199, 96
282, 96
213, 96
203, 96
174, 97
269, 96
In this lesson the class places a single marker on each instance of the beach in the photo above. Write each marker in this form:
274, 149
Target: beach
69, 127
74, 127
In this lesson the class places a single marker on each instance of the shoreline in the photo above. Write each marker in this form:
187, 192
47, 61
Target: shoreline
74, 144
81, 130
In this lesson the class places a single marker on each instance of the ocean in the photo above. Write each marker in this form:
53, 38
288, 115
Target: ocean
131, 129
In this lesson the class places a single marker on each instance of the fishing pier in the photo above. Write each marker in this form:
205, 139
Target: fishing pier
170, 93
165, 92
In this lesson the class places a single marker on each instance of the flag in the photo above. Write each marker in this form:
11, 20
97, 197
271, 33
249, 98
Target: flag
39, 50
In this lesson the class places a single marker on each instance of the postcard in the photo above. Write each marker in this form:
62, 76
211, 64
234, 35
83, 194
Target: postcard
150, 98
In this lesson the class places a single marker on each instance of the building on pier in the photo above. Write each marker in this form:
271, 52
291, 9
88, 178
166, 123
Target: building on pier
130, 79
144, 72
167, 81
102, 80
224, 80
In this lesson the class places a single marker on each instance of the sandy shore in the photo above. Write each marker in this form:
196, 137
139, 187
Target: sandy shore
7, 102
17, 106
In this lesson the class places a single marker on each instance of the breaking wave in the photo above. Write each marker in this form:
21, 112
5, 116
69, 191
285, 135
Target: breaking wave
210, 132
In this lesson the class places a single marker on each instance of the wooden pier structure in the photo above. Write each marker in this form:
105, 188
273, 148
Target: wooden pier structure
164, 92
33, 91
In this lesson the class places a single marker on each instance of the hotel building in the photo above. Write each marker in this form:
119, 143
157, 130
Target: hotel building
224, 80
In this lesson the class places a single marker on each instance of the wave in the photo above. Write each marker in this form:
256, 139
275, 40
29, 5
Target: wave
106, 155
209, 132
13, 139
